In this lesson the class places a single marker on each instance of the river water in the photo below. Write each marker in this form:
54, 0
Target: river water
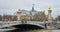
34, 31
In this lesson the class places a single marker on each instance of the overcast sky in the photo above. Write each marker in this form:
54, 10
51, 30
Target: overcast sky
11, 6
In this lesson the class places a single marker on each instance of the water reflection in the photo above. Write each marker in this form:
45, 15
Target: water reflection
25, 31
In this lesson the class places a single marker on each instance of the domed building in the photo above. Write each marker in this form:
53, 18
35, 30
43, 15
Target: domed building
32, 15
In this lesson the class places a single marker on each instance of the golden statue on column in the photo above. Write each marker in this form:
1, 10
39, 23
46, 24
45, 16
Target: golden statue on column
49, 15
18, 14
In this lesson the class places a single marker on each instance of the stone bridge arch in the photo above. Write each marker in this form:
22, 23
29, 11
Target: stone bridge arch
28, 27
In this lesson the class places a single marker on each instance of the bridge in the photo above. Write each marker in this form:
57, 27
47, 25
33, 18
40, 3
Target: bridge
28, 25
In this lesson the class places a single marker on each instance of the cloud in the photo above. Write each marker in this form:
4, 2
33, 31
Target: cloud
8, 5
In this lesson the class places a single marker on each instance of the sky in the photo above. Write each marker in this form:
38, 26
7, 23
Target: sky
11, 6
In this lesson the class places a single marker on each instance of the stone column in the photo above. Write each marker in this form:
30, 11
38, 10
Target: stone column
50, 22
49, 15
18, 17
18, 14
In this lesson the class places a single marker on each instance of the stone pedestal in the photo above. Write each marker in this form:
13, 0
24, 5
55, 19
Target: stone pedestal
18, 17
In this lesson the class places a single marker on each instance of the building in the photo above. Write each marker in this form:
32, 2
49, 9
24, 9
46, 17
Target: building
33, 15
57, 18
7, 18
0, 18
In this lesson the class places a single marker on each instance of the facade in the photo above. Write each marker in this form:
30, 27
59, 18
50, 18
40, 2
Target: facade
7, 18
57, 18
